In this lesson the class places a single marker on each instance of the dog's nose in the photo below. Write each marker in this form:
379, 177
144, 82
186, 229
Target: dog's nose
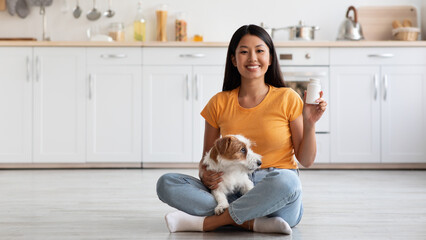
259, 163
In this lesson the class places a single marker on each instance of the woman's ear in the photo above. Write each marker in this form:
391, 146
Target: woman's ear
234, 61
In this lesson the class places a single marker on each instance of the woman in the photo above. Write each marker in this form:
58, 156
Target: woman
254, 103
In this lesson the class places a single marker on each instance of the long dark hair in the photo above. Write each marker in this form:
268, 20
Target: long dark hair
273, 75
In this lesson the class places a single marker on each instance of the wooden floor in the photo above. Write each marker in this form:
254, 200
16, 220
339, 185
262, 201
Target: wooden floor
122, 204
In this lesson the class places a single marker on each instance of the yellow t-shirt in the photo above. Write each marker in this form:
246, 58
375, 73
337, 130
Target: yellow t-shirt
267, 125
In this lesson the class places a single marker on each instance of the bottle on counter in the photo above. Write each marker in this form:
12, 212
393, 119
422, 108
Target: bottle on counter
313, 91
180, 27
139, 25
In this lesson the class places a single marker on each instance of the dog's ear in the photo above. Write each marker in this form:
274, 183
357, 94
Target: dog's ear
222, 144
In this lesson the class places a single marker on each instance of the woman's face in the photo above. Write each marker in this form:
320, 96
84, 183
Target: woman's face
252, 58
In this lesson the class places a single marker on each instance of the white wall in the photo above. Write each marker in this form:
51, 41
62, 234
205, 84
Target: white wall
216, 20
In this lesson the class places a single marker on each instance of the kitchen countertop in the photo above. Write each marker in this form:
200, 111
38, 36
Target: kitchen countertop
211, 44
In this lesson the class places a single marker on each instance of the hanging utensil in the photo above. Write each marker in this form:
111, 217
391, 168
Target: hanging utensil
77, 11
93, 14
11, 5
22, 8
42, 4
109, 13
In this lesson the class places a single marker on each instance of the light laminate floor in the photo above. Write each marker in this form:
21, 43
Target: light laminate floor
122, 204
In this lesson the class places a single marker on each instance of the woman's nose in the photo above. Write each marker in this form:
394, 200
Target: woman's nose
252, 57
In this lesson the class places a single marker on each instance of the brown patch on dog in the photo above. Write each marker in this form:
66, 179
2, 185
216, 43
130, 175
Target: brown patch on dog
229, 147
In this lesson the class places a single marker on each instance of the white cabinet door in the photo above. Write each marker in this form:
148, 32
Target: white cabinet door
403, 114
114, 114
59, 107
15, 104
167, 114
355, 114
207, 81
323, 148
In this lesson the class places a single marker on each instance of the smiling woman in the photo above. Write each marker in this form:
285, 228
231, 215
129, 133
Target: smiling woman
255, 104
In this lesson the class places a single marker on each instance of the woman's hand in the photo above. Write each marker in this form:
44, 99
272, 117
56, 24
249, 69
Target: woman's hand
313, 112
210, 179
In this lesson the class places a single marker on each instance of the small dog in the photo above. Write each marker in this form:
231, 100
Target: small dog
231, 155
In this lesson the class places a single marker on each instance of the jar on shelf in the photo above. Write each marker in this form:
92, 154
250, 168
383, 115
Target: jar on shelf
116, 31
180, 27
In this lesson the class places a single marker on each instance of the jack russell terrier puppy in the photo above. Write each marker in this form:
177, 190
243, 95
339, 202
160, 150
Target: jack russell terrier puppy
231, 155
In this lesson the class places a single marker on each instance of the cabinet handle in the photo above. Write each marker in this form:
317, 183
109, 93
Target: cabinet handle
187, 86
376, 86
90, 86
194, 55
114, 56
385, 83
38, 70
196, 87
28, 69
383, 55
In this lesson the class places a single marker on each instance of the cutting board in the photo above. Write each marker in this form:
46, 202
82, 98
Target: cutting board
376, 21
2, 5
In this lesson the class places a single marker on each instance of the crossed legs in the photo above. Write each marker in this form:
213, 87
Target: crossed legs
189, 195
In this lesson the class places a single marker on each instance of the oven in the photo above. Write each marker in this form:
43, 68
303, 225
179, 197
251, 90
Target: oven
298, 65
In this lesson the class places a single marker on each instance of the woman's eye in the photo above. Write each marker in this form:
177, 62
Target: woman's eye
243, 52
260, 51
243, 150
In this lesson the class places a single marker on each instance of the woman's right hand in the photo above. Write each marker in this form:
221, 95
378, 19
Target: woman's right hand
210, 179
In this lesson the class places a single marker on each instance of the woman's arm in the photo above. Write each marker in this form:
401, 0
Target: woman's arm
209, 178
303, 131
304, 142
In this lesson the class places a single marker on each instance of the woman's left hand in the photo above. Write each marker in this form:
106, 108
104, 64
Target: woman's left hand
313, 112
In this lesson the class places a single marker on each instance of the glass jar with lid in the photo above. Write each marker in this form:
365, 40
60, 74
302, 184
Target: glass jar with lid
116, 31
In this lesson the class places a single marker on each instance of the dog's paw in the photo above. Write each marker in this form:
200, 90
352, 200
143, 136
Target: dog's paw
220, 208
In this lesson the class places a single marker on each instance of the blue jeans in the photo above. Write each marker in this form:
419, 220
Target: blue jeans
277, 193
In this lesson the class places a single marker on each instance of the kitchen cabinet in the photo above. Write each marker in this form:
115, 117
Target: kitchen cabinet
114, 105
378, 110
208, 82
41, 100
177, 83
59, 107
16, 83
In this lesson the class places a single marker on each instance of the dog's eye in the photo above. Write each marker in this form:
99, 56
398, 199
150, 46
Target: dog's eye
243, 150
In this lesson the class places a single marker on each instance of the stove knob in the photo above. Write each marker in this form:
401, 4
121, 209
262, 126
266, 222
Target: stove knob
308, 56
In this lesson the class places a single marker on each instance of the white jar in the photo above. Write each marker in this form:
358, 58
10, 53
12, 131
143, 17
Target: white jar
313, 91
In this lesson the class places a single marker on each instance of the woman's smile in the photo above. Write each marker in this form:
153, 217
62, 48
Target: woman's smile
253, 67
